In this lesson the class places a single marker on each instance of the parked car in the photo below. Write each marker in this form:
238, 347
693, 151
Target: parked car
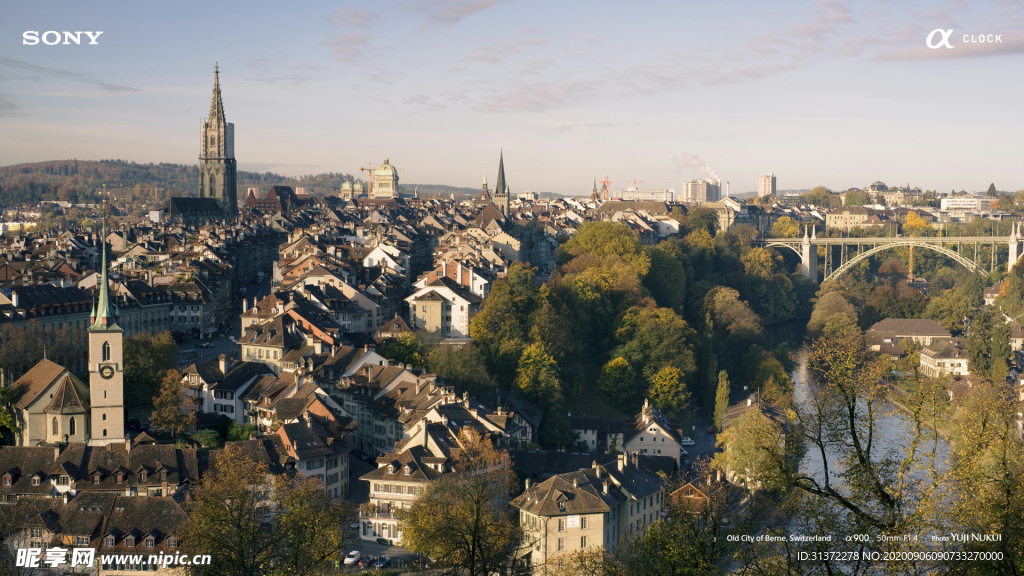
204, 345
366, 561
711, 429
382, 562
351, 558
687, 442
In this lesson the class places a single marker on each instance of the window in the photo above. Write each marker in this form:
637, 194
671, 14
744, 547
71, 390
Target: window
71, 426
150, 542
583, 541
561, 544
129, 542
55, 432
104, 430
142, 476
106, 351
561, 524
35, 481
81, 540
172, 542
7, 480
104, 418
37, 532
63, 480
108, 541
584, 524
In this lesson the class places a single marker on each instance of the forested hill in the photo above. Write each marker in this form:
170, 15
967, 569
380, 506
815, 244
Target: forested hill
76, 180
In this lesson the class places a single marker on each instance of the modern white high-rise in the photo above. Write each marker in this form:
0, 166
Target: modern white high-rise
766, 185
701, 191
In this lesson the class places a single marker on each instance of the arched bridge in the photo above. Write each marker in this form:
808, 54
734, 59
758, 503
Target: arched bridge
953, 247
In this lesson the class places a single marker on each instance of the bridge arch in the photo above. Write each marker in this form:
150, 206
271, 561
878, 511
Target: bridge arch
789, 245
849, 264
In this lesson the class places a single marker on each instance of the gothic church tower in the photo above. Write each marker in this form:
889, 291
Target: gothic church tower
500, 188
106, 363
217, 166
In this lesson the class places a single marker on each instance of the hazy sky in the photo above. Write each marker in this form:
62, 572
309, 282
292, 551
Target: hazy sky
831, 92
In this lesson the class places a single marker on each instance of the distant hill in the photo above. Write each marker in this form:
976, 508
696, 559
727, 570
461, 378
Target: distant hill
77, 181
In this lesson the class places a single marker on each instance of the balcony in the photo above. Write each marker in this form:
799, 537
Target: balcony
380, 514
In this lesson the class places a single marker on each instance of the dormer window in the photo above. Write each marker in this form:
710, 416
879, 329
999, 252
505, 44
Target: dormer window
163, 475
119, 478
407, 470
142, 476
391, 469
561, 506
109, 541
35, 480
129, 542
7, 480
150, 542
172, 542
95, 478
63, 480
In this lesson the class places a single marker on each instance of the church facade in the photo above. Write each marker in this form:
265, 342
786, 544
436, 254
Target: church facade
53, 407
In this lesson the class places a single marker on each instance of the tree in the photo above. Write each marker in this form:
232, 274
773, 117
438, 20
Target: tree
463, 367
992, 190
617, 382
668, 391
406, 349
172, 408
146, 357
917, 226
703, 218
652, 338
732, 315
827, 306
502, 326
785, 227
537, 378
980, 340
759, 263
751, 447
227, 518
609, 239
666, 280
461, 521
721, 398
856, 198
950, 310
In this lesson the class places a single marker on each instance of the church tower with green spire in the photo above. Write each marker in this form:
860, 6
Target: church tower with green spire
218, 171
106, 362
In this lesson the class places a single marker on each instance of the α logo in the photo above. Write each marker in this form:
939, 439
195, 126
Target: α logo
945, 38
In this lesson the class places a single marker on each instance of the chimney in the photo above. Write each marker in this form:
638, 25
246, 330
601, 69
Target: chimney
597, 469
749, 400
575, 483
622, 462
223, 360
444, 268
14, 298
163, 488
718, 475
604, 486
127, 444
245, 305
744, 387
65, 497
527, 483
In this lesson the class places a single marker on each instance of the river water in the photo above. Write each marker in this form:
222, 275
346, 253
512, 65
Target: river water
892, 430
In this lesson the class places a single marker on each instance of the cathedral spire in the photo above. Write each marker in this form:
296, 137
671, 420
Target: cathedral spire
105, 316
216, 105
499, 186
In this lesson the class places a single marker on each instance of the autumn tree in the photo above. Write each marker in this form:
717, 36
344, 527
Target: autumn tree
668, 391
463, 367
702, 218
406, 349
172, 407
502, 326
461, 521
537, 378
721, 398
256, 524
617, 381
785, 227
827, 306
147, 358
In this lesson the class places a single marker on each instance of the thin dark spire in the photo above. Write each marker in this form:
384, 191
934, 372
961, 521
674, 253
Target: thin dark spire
216, 104
499, 186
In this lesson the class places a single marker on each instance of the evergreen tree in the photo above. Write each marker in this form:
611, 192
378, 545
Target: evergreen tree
169, 406
721, 398
992, 189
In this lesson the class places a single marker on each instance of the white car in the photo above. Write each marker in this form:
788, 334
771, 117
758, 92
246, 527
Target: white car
352, 558
687, 442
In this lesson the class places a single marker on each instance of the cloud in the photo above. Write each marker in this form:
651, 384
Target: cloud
8, 107
536, 97
347, 47
63, 74
452, 11
592, 126
959, 50
494, 54
349, 16
423, 102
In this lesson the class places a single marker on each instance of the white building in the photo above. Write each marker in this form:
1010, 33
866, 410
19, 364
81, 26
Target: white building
701, 191
766, 185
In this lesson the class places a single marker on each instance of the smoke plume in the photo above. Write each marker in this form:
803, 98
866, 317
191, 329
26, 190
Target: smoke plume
699, 165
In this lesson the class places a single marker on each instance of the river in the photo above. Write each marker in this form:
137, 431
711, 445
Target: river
891, 430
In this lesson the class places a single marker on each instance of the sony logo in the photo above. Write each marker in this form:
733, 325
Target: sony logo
51, 37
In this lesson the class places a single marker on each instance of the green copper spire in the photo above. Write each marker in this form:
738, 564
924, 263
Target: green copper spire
105, 316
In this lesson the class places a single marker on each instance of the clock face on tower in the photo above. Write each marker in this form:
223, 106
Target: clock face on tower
106, 372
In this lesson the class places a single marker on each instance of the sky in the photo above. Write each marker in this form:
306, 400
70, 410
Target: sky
826, 92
